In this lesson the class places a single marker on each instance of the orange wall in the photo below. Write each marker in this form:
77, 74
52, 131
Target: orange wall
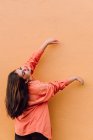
24, 25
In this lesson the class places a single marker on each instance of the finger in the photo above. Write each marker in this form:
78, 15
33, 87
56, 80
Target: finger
82, 82
56, 41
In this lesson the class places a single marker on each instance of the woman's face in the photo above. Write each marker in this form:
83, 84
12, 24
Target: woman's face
24, 72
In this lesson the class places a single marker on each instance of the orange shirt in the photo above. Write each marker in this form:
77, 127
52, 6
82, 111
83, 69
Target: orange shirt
36, 117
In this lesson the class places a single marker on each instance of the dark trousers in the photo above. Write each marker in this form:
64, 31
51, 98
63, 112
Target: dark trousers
32, 136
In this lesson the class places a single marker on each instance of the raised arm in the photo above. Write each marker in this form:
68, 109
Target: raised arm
60, 85
48, 90
33, 61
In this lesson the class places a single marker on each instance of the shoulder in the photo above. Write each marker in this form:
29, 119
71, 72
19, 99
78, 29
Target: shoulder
38, 84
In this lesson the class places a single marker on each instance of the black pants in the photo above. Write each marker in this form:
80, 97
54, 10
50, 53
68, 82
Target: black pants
32, 136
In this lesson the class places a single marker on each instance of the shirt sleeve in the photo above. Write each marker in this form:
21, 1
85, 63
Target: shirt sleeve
48, 90
33, 60
57, 85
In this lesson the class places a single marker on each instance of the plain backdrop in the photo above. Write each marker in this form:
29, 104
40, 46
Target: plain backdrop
24, 25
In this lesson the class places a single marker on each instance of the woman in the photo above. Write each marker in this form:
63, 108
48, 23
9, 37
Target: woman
27, 99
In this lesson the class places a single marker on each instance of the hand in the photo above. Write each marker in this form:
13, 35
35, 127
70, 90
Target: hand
51, 41
80, 80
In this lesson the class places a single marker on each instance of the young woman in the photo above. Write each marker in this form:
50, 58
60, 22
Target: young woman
27, 98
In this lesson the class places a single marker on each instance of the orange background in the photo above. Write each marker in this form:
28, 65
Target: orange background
24, 25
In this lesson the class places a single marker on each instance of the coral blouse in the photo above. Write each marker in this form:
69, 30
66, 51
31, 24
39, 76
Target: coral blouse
36, 117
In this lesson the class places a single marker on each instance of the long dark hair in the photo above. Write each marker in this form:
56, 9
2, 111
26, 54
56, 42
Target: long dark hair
16, 100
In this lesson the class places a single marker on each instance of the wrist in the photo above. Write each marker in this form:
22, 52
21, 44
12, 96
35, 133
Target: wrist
45, 44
